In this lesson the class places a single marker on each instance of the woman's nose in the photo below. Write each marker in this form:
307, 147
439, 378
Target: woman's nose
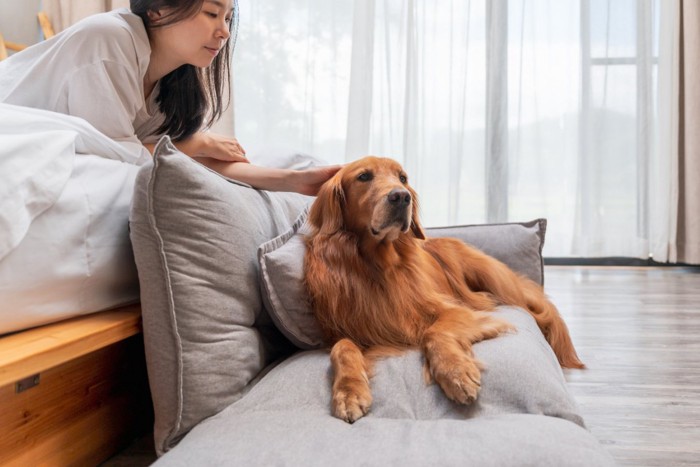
223, 32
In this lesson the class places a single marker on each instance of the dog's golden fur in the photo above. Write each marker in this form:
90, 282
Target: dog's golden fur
377, 286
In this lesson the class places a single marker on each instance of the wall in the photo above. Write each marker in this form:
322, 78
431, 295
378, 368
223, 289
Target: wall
18, 21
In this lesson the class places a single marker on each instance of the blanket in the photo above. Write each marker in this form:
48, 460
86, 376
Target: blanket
37, 153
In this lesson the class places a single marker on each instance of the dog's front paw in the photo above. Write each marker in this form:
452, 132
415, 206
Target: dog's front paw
351, 404
459, 380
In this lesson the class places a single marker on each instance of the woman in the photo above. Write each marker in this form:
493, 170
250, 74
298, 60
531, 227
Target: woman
161, 68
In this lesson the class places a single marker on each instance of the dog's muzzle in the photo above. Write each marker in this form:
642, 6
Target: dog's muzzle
399, 198
399, 201
394, 212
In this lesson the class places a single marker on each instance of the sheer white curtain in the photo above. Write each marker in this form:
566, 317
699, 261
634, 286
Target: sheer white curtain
291, 74
501, 110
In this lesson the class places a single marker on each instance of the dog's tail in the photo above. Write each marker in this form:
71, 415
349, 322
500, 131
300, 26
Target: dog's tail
552, 325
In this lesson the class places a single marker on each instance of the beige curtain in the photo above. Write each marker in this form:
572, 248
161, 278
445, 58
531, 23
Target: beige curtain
63, 13
688, 227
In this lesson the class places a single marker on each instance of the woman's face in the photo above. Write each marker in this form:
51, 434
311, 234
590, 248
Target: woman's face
196, 40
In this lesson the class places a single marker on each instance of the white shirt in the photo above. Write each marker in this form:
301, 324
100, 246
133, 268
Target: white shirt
93, 70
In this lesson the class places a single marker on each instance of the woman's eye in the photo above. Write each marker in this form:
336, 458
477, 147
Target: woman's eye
365, 177
211, 15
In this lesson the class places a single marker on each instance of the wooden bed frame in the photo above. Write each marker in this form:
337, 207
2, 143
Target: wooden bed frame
73, 392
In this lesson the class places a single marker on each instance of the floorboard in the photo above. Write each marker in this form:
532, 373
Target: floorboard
637, 330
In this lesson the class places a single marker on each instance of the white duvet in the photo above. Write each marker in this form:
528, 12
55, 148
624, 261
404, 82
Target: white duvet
65, 192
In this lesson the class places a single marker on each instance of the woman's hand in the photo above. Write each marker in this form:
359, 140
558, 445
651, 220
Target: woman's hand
213, 146
309, 181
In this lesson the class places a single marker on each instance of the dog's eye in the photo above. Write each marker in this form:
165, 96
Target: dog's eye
365, 177
403, 179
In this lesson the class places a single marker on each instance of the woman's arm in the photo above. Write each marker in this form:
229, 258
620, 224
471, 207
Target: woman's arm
209, 145
202, 149
306, 182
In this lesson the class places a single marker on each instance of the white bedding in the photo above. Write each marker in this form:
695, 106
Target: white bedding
65, 192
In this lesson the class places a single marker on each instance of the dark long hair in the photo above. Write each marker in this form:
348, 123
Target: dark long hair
190, 95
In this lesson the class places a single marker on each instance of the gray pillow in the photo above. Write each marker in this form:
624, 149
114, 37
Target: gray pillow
195, 235
519, 245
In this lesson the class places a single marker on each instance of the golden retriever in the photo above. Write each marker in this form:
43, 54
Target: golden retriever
378, 285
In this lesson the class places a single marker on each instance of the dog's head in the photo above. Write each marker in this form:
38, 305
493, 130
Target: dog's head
368, 197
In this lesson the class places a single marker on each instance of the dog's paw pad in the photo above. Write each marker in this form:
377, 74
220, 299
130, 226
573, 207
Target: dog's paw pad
461, 384
350, 406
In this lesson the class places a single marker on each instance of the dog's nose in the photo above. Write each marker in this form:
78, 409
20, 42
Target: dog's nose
399, 197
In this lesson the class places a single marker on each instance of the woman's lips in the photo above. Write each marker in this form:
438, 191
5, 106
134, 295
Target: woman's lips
213, 51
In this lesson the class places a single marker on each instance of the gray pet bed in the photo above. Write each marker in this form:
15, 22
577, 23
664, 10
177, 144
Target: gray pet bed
231, 386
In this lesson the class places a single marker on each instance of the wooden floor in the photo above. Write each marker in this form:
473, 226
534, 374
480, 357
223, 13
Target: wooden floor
638, 330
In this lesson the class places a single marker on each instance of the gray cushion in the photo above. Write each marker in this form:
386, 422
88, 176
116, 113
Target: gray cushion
519, 245
524, 415
195, 235
282, 268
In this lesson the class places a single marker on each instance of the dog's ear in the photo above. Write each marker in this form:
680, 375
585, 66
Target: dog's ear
326, 214
416, 228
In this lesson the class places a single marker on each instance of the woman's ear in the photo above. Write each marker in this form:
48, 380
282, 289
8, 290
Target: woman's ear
326, 214
154, 16
416, 228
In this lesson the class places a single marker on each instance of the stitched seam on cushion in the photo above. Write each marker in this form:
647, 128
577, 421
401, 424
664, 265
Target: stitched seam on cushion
542, 234
171, 302
490, 224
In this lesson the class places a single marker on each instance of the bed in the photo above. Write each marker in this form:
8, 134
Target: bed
71, 348
237, 376
65, 192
